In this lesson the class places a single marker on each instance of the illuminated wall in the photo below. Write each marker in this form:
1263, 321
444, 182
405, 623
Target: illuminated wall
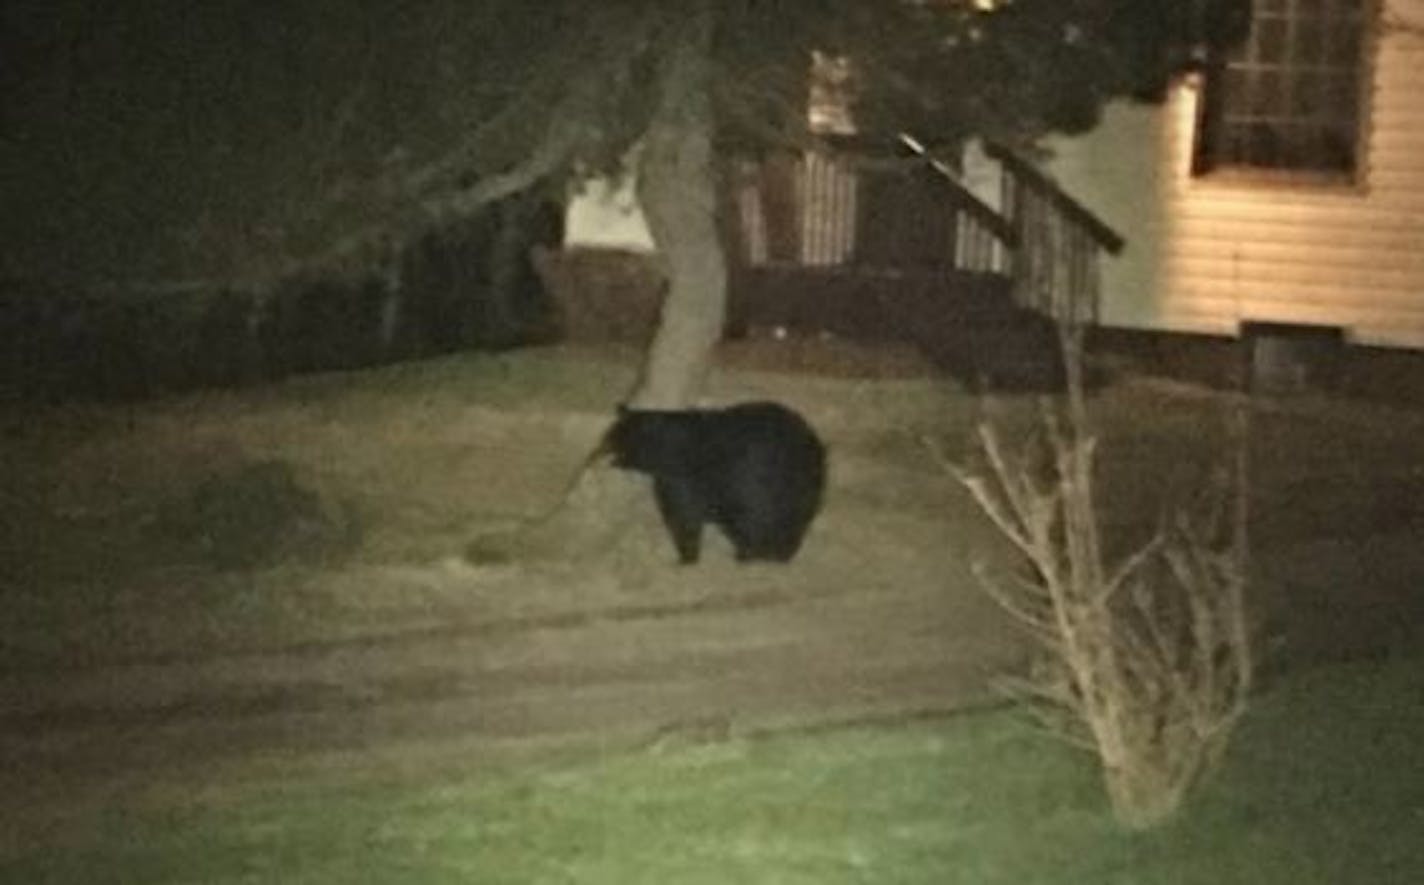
606, 216
1116, 171
1210, 252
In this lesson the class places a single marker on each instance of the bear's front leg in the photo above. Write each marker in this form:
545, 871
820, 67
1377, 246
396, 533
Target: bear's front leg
683, 510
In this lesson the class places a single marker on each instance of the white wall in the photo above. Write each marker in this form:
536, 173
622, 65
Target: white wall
1349, 254
607, 217
1209, 253
1116, 172
1206, 254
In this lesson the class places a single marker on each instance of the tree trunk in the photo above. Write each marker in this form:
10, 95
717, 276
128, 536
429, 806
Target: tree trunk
677, 187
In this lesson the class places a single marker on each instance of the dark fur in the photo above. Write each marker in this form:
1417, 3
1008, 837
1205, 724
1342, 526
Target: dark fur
756, 470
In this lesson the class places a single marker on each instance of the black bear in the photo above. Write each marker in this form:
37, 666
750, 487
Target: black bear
756, 470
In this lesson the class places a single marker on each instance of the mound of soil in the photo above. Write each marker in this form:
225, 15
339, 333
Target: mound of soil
258, 513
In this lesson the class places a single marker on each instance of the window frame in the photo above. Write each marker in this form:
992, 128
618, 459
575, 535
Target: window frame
1205, 167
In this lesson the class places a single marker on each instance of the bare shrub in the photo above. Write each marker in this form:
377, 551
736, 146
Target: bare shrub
1147, 662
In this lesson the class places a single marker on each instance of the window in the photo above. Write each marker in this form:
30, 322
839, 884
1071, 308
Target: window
1289, 98
832, 86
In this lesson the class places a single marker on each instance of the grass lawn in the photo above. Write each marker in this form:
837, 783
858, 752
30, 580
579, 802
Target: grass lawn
1324, 786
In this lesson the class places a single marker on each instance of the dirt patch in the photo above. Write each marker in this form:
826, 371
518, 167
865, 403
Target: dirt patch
255, 514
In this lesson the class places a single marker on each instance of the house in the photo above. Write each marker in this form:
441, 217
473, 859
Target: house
873, 242
1282, 185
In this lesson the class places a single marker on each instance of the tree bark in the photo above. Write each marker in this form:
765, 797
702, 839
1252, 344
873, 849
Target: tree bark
677, 189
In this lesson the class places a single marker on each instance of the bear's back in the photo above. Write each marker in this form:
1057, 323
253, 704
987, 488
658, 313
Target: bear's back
707, 442
761, 426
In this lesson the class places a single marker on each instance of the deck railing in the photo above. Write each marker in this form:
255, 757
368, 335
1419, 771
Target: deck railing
1056, 267
848, 206
858, 206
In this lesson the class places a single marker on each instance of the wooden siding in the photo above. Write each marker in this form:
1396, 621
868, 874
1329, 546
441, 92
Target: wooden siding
1236, 249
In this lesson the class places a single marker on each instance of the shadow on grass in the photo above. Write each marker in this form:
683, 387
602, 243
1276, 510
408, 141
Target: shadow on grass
1321, 787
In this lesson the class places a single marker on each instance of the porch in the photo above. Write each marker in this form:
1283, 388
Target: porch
895, 245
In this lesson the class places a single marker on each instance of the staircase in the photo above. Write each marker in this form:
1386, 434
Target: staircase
879, 245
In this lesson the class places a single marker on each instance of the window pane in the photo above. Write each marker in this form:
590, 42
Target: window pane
1268, 98
1340, 96
1340, 144
1292, 101
1309, 40
1343, 45
1271, 41
1306, 98
1327, 148
1263, 145
1233, 144
1237, 88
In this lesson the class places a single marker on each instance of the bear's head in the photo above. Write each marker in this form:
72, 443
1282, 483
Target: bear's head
655, 441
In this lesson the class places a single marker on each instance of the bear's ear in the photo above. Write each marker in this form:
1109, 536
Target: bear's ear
606, 448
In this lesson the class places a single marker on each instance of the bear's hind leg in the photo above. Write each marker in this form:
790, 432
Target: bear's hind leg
684, 511
759, 530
